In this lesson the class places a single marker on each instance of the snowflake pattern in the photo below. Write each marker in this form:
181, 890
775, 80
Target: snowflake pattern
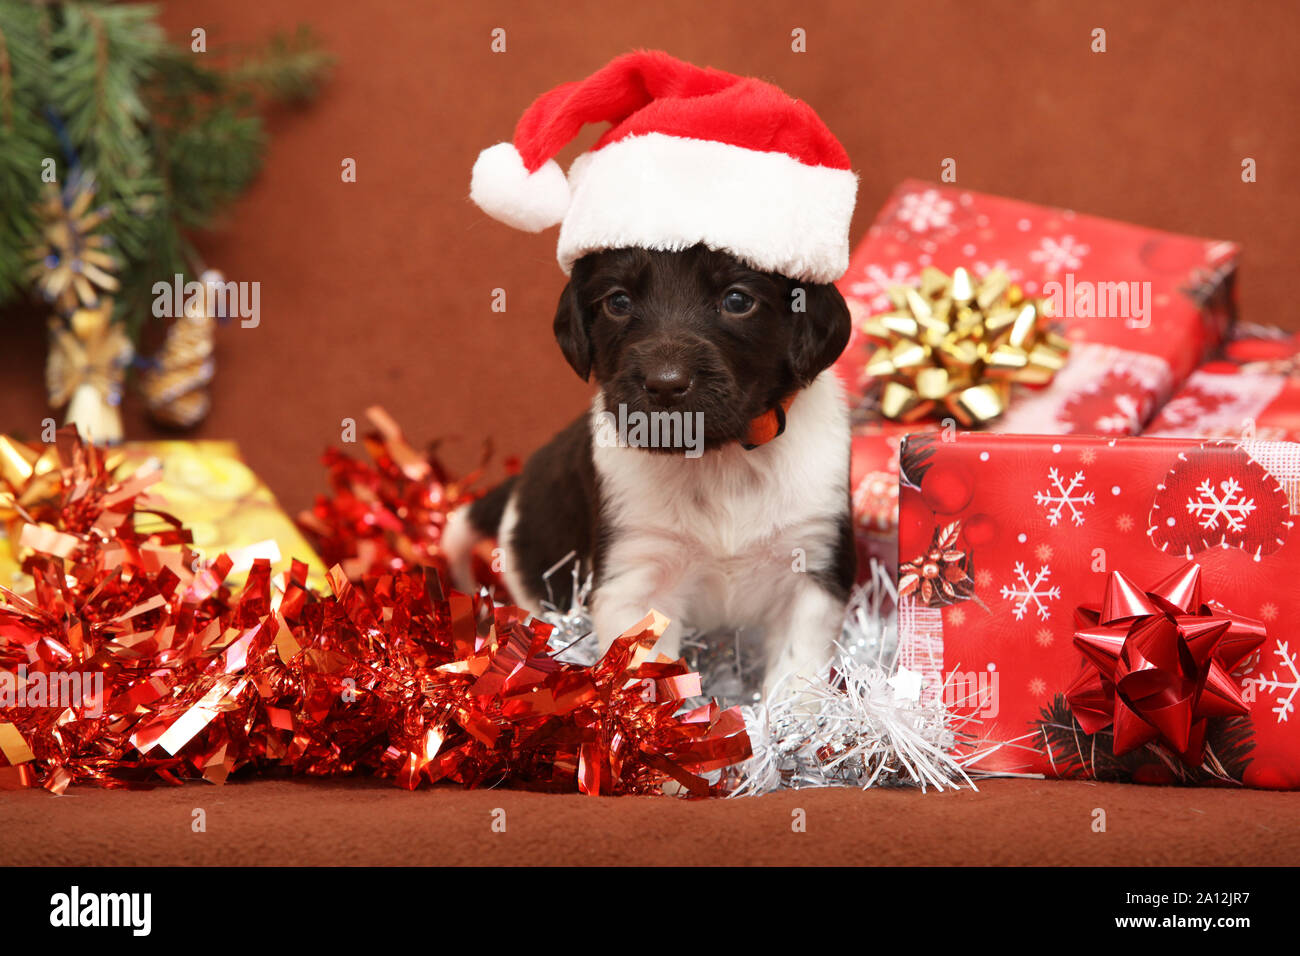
874, 288
925, 210
1124, 522
1038, 687
1125, 418
1121, 402
1025, 592
982, 269
1209, 507
1284, 687
1189, 408
1062, 496
1044, 637
1211, 404
1057, 254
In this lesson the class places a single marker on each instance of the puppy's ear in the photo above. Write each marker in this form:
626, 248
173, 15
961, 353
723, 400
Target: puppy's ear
570, 328
821, 326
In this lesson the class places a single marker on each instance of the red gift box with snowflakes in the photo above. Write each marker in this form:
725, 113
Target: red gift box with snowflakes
1141, 309
1108, 608
1252, 389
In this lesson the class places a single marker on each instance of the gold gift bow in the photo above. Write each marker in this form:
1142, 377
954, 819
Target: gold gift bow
959, 343
26, 476
29, 479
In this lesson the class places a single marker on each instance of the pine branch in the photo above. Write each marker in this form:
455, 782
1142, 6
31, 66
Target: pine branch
1229, 743
914, 458
167, 139
102, 55
289, 68
210, 155
26, 140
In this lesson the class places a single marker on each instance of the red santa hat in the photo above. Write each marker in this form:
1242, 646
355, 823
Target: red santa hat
692, 155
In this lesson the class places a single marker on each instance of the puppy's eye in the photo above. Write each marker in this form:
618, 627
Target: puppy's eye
738, 304
617, 305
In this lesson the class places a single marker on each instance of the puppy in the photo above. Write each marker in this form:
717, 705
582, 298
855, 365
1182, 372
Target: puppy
740, 518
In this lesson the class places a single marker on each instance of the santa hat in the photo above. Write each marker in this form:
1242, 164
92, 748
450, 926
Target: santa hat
692, 155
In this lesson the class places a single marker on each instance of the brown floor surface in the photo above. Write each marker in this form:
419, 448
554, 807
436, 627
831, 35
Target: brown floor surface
314, 822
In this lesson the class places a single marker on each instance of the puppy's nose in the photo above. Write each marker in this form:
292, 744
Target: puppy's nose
667, 384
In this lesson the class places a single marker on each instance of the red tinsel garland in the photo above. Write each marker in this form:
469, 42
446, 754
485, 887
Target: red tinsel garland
388, 513
385, 675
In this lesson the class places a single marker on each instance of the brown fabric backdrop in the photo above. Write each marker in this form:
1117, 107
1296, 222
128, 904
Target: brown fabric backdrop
380, 291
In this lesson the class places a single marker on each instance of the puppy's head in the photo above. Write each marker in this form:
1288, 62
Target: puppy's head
696, 331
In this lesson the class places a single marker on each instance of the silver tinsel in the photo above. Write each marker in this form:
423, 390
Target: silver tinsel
852, 726
573, 641
860, 723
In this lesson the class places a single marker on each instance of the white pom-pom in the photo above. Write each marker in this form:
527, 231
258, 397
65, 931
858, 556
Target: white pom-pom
505, 190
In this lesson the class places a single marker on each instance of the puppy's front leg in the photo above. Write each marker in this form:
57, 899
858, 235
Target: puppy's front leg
799, 642
623, 600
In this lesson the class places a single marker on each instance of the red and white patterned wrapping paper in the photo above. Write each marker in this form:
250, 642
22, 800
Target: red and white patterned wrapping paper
1121, 368
1043, 521
1253, 390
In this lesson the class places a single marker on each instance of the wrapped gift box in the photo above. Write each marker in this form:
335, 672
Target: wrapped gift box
207, 486
1002, 538
1252, 389
1141, 309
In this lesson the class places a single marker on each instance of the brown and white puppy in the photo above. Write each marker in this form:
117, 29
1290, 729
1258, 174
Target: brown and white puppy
707, 528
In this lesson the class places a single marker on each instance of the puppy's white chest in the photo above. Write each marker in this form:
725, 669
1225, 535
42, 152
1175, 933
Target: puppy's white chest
722, 540
717, 556
708, 508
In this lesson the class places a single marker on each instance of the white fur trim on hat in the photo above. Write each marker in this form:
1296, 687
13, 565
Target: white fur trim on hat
670, 192
505, 190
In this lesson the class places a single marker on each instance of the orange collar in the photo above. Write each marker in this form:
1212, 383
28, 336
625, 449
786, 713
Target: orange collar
765, 427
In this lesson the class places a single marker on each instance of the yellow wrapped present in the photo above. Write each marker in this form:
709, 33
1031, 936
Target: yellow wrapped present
204, 484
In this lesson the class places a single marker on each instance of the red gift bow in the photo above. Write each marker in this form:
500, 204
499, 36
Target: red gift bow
1159, 663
